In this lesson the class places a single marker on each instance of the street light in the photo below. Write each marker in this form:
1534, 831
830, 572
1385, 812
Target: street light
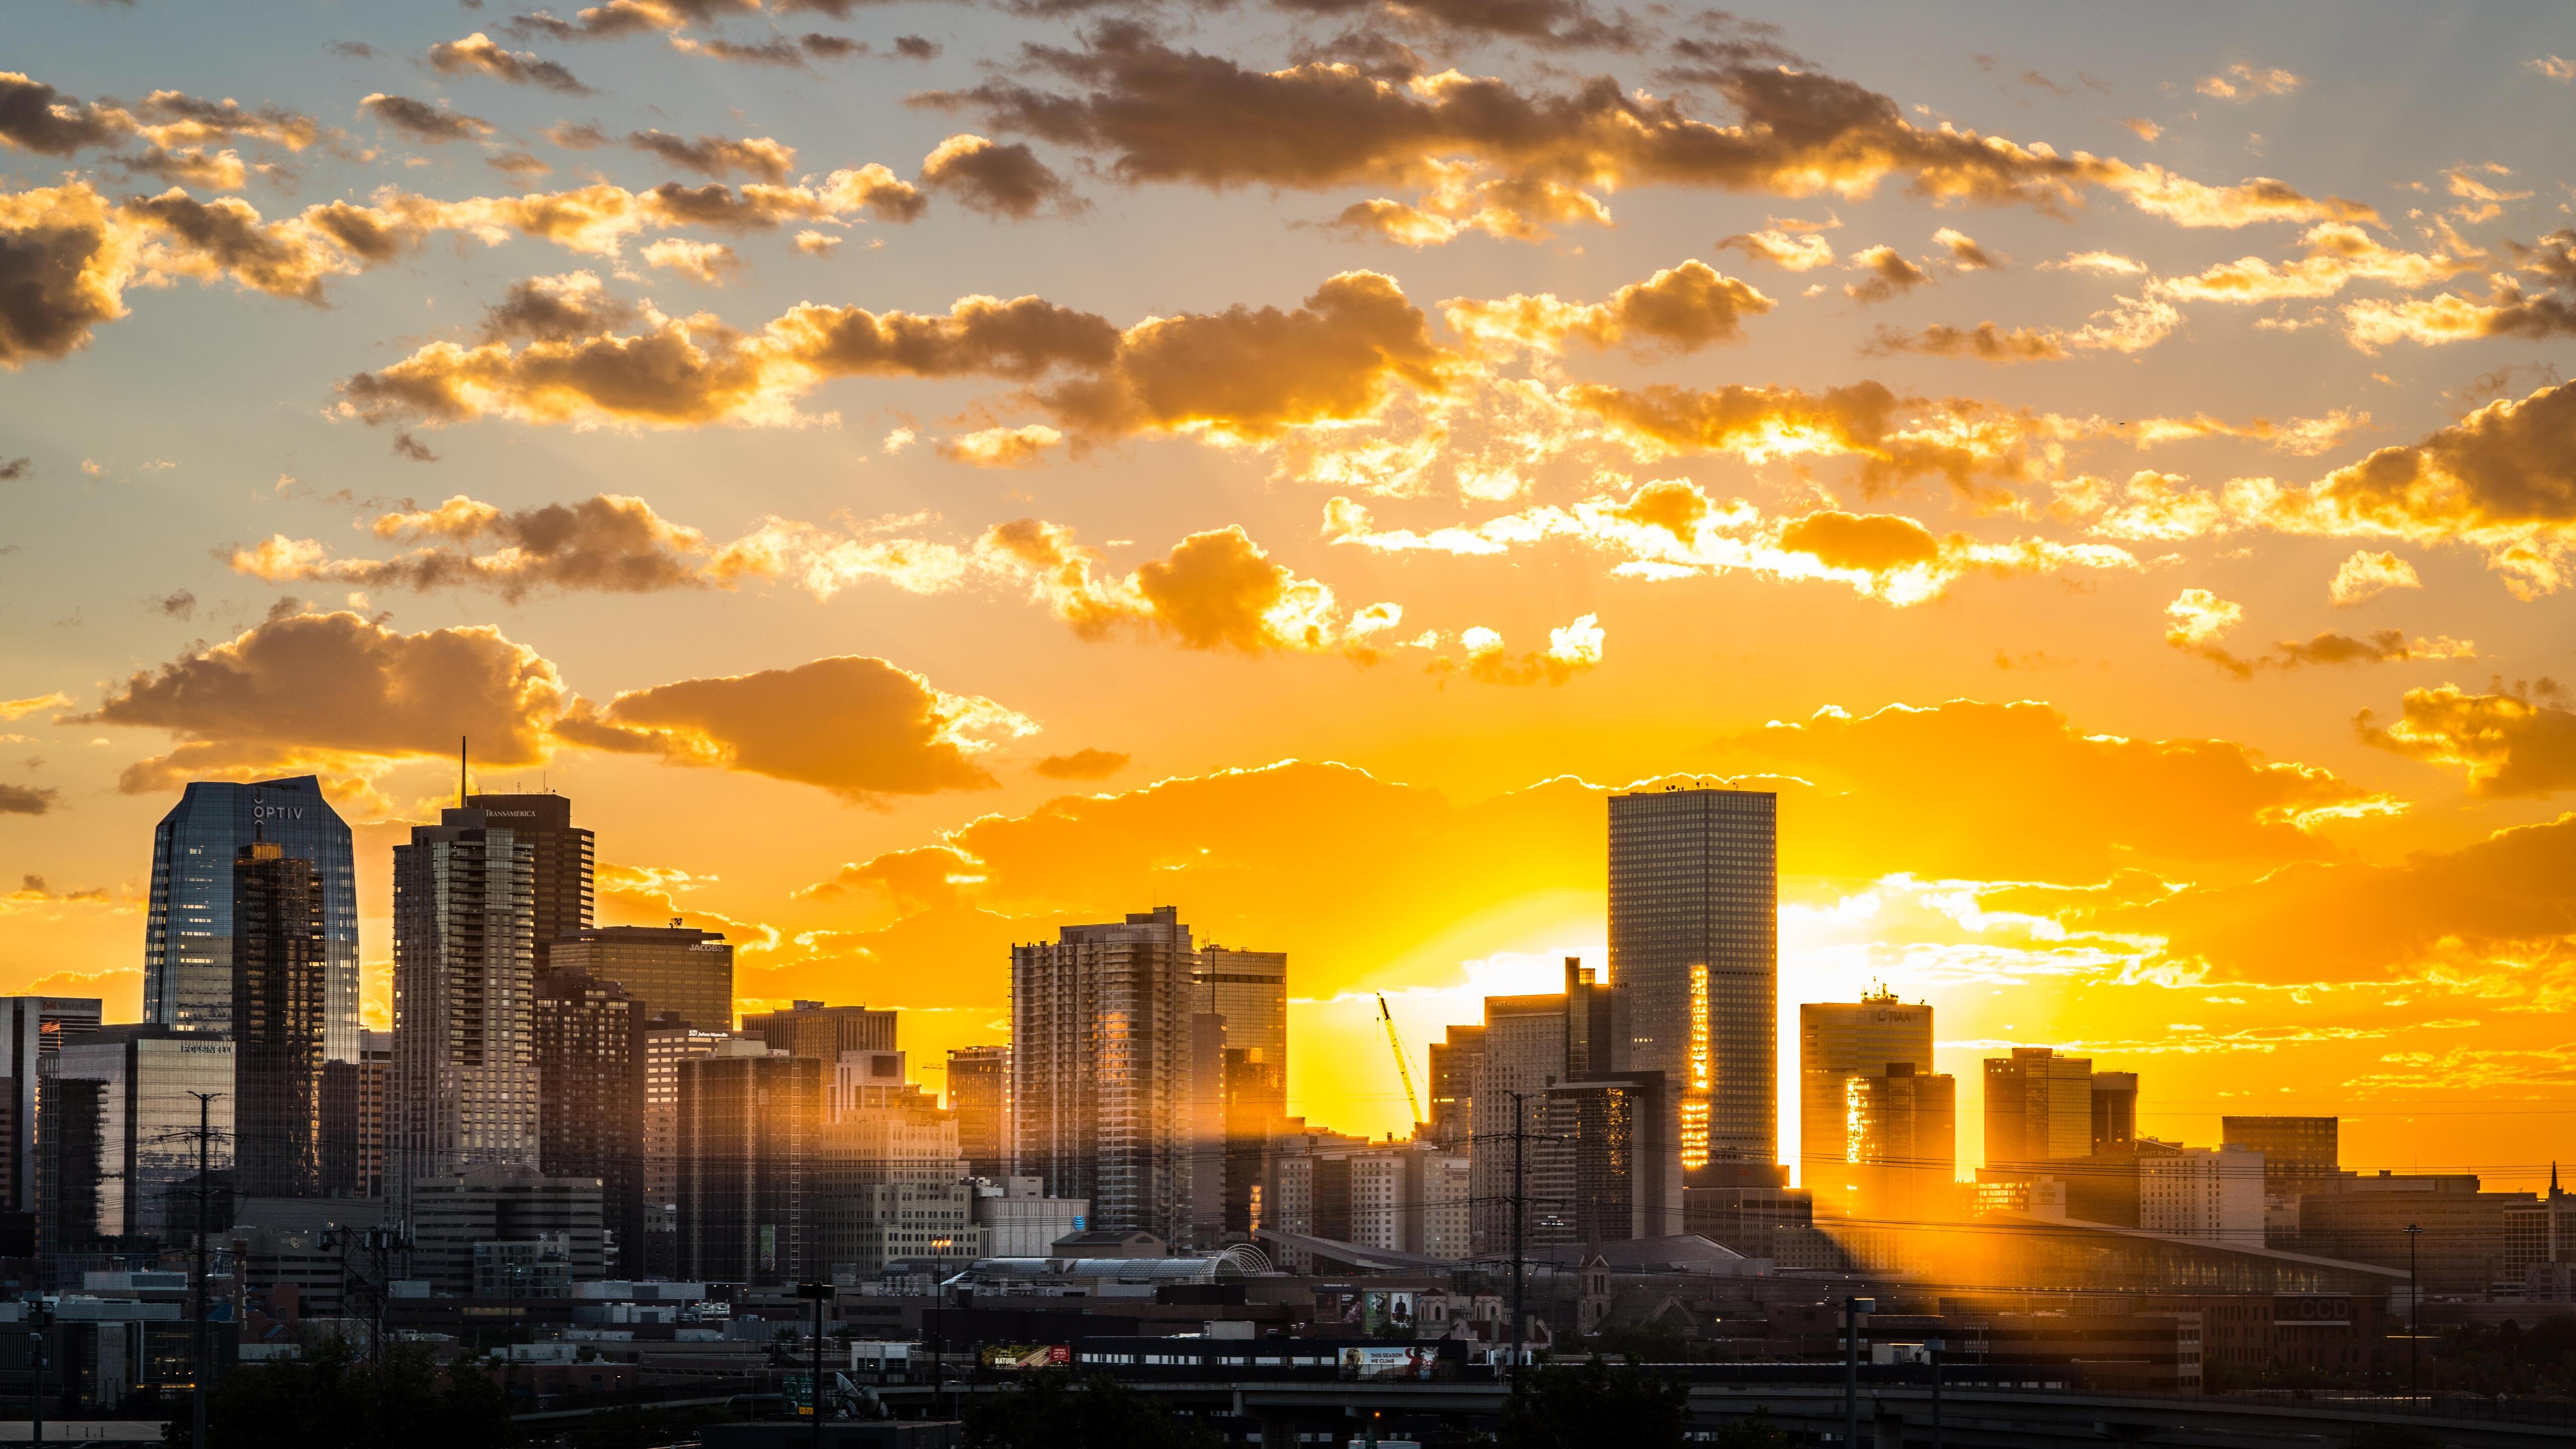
1853, 1308
820, 1293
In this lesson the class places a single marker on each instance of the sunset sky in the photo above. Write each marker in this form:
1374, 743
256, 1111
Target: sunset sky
921, 474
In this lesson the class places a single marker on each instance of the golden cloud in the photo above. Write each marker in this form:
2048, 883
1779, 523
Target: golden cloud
1671, 529
2199, 618
859, 727
336, 689
2367, 574
1682, 309
1167, 115
2516, 743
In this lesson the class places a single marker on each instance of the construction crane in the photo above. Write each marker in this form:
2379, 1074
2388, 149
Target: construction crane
1401, 1068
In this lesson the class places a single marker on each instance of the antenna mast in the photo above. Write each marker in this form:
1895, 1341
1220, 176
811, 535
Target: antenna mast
460, 772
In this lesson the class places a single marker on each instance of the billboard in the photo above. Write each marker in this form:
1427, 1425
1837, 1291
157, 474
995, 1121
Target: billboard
1394, 1361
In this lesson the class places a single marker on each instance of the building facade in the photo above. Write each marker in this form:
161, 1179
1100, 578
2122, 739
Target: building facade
674, 971
2203, 1192
36, 1027
1852, 1124
667, 1042
812, 1029
1113, 1093
893, 1186
561, 862
2039, 1109
589, 1052
522, 1211
749, 1140
979, 1093
464, 1078
165, 1091
2115, 1110
188, 926
280, 1021
1694, 944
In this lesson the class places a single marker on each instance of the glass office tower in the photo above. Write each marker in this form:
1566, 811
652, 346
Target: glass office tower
188, 936
1694, 942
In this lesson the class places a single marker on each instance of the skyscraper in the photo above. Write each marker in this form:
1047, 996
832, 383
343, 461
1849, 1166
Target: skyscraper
1240, 1091
1694, 943
667, 1042
1109, 1100
354, 1117
2298, 1152
674, 971
280, 1022
1523, 1056
1452, 1073
563, 861
2115, 1111
750, 1120
588, 1044
1871, 1111
464, 1083
188, 931
36, 1027
2039, 1108
979, 1093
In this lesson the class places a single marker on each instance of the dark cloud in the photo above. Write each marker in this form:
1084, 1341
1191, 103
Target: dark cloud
916, 47
831, 47
12, 469
1985, 341
607, 543
480, 54
407, 446
353, 50
1890, 275
29, 800
2513, 743
56, 281
1084, 764
421, 121
1001, 181
719, 156
555, 309
574, 136
179, 604
36, 117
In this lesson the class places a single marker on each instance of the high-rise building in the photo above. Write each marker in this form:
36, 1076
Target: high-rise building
2213, 1193
811, 1029
979, 1093
1876, 1125
668, 1041
1117, 1076
354, 1103
156, 1078
36, 1027
1694, 945
464, 1081
1452, 1073
280, 1022
1524, 1055
2297, 1151
2115, 1110
2039, 1109
676, 971
71, 1127
588, 1044
188, 929
563, 861
749, 1139
1239, 1026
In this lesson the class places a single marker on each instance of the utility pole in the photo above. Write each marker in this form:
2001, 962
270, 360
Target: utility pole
1520, 1210
1933, 1351
1853, 1308
204, 1349
2414, 1320
820, 1293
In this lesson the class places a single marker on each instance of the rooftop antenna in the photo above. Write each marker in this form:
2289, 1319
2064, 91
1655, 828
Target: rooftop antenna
460, 772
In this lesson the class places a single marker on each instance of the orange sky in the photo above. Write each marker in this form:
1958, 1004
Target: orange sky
1290, 461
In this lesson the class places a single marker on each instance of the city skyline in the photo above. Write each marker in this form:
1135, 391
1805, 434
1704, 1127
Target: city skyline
2130, 552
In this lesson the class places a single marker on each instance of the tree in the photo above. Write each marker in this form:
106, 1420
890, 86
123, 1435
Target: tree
1053, 1410
335, 1400
1593, 1407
